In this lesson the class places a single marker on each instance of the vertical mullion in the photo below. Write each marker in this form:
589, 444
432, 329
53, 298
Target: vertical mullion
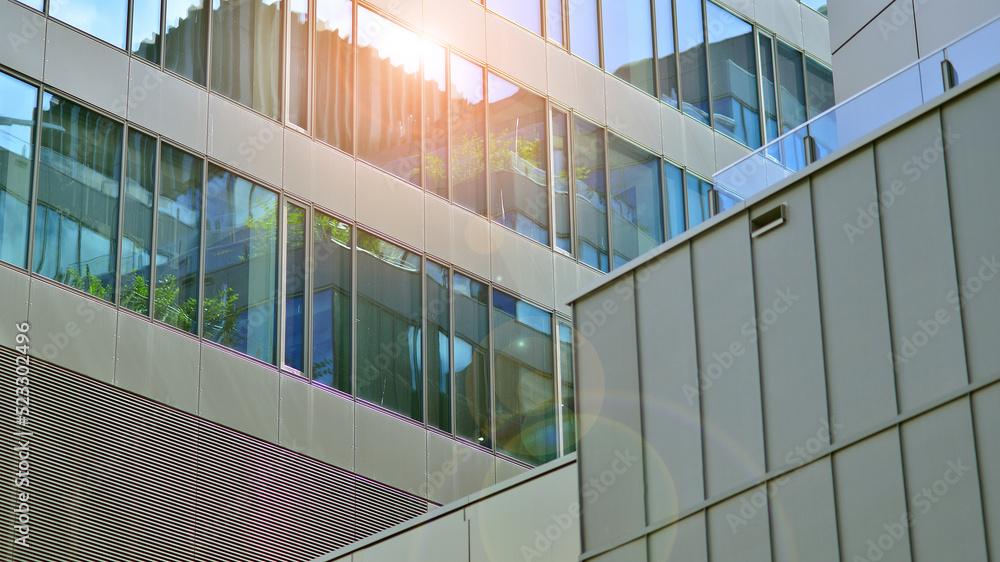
760, 84
708, 65
656, 50
202, 250
557, 380
308, 274
571, 182
33, 186
281, 307
155, 222
608, 211
491, 378
354, 312
424, 286
453, 391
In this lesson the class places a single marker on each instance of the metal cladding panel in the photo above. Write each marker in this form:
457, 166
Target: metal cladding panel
634, 551
445, 540
928, 349
390, 450
169, 105
738, 528
860, 379
14, 305
683, 541
129, 479
986, 417
24, 31
729, 383
788, 330
942, 483
668, 367
868, 478
609, 425
455, 470
803, 515
970, 132
157, 363
91, 70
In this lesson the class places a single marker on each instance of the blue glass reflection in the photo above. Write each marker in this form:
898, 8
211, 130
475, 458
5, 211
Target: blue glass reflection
18, 102
734, 76
332, 320
104, 19
522, 12
584, 32
698, 197
146, 29
295, 280
676, 222
137, 228
472, 374
636, 204
438, 349
178, 239
693, 59
628, 42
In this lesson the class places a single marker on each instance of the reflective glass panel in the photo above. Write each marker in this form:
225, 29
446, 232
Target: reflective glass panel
137, 225
438, 347
295, 286
525, 385
554, 23
518, 161
472, 373
636, 201
298, 63
146, 29
818, 5
178, 239
560, 179
186, 39
389, 323
526, 13
18, 102
36, 4
693, 63
591, 194
628, 42
104, 19
666, 51
674, 177
767, 84
734, 76
435, 119
584, 34
333, 93
698, 197
792, 90
468, 114
246, 53
331, 308
819, 86
76, 218
568, 399
241, 265
389, 96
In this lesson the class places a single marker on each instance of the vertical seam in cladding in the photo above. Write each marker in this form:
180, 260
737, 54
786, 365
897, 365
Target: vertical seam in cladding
885, 280
697, 373
638, 386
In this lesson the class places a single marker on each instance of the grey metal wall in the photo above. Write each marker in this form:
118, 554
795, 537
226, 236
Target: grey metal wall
826, 390
114, 476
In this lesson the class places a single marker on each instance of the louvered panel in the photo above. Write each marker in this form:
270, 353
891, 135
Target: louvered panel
116, 477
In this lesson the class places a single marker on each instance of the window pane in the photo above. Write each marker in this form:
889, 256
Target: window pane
178, 239
18, 102
146, 29
734, 76
298, 63
388, 96
555, 20
468, 113
104, 19
819, 81
698, 194
334, 76
331, 343
522, 12
36, 4
818, 5
438, 348
568, 404
675, 199
435, 119
241, 265
76, 221
591, 194
137, 228
472, 376
518, 163
246, 53
694, 67
389, 319
186, 42
767, 82
636, 203
666, 51
628, 42
560, 175
525, 386
295, 283
793, 90
583, 31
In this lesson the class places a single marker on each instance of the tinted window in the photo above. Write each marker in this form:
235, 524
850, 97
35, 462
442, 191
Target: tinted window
300, 27
146, 29
389, 324
472, 375
591, 194
819, 83
334, 84
674, 178
178, 239
518, 161
560, 179
554, 11
435, 119
18, 102
137, 227
331, 308
767, 84
438, 347
666, 50
241, 265
698, 197
76, 218
523, 12
636, 201
104, 19
295, 284
734, 76
186, 40
792, 91
246, 53
628, 42
468, 114
568, 401
583, 31
693, 63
